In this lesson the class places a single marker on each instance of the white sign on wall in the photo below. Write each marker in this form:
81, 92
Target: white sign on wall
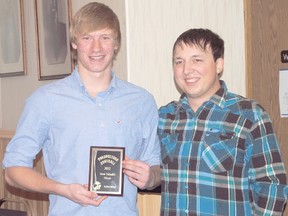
283, 93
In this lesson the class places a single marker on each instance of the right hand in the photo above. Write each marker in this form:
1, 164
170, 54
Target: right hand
81, 195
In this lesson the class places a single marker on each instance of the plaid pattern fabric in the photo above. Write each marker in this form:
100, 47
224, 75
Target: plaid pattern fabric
222, 160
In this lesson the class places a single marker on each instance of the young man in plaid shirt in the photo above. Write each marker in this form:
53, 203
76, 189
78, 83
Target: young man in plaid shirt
220, 155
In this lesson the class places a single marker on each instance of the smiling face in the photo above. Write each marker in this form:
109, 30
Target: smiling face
96, 51
196, 72
96, 38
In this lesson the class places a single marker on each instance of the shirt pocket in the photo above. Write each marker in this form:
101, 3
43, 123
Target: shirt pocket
168, 146
126, 133
219, 151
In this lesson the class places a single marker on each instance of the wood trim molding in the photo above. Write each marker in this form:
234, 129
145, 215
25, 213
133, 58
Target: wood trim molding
248, 45
6, 134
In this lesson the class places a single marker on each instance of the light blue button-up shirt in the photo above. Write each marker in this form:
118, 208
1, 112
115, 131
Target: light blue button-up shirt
64, 121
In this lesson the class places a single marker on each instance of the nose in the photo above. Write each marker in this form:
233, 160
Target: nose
96, 45
188, 68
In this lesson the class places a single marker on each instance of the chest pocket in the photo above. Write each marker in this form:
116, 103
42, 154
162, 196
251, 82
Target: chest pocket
219, 151
127, 133
168, 146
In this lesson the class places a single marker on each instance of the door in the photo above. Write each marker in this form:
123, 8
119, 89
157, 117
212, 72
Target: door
266, 31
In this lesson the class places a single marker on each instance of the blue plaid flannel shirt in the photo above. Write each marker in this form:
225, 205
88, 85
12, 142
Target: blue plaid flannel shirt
223, 159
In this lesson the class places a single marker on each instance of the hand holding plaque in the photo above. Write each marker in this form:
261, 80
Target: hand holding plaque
105, 172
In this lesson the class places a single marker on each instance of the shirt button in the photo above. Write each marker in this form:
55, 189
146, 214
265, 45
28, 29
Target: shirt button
186, 187
102, 125
186, 211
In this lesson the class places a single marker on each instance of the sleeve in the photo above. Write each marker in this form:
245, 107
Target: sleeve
267, 175
151, 145
31, 131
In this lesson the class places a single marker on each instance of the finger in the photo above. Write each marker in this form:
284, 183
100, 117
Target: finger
98, 201
136, 178
95, 201
131, 173
88, 194
135, 164
137, 183
127, 161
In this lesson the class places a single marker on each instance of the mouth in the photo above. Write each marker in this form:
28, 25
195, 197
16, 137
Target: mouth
97, 58
192, 80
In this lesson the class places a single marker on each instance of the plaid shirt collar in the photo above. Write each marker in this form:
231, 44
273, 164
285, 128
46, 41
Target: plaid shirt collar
219, 98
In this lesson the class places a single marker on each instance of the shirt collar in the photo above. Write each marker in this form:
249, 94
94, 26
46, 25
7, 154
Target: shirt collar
77, 78
219, 98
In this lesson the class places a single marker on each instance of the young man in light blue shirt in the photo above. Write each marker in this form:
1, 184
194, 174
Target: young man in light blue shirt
91, 107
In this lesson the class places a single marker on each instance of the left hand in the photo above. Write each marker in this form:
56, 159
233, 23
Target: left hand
138, 172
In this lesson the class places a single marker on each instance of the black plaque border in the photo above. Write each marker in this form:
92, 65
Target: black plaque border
93, 150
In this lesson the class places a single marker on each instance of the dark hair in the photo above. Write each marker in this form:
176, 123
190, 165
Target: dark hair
202, 38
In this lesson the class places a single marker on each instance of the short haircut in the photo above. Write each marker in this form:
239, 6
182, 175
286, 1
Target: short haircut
92, 17
202, 38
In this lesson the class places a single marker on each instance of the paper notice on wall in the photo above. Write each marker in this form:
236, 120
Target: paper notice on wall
283, 93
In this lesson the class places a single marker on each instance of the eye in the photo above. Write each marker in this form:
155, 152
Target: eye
106, 37
85, 38
177, 61
197, 60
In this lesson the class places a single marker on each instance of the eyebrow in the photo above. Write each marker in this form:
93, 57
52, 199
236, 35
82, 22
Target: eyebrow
192, 56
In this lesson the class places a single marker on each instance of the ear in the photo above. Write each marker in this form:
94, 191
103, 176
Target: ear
116, 46
220, 65
74, 46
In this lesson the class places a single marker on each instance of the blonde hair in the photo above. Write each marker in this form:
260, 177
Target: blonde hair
92, 17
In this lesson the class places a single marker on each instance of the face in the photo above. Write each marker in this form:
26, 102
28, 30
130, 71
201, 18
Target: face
196, 72
96, 51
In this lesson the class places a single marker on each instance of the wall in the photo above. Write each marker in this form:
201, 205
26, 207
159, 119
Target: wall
266, 37
0, 105
15, 89
153, 26
150, 29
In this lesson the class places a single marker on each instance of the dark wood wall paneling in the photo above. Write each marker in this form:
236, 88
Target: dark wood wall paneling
266, 30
